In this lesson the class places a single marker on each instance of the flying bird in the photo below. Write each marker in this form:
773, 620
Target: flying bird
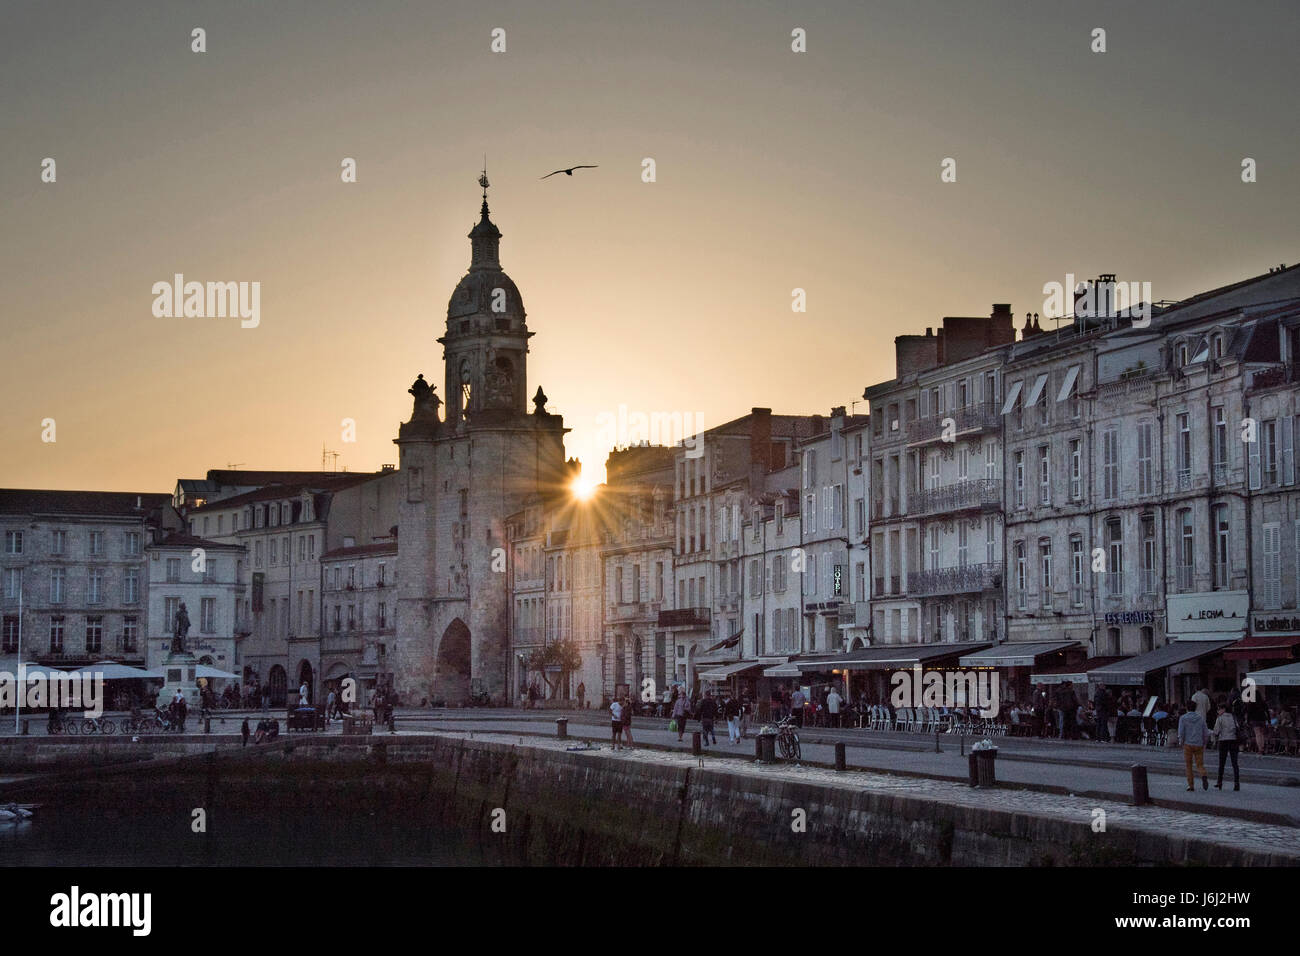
569, 171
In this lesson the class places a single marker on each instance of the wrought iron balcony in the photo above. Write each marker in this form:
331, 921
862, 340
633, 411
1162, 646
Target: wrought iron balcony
972, 418
686, 617
961, 580
857, 614
977, 493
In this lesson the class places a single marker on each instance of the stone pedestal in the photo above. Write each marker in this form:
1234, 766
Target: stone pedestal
178, 672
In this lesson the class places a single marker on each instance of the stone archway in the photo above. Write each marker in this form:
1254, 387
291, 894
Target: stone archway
451, 669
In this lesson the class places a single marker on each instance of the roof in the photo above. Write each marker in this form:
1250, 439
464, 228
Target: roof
336, 482
127, 504
177, 540
232, 476
361, 550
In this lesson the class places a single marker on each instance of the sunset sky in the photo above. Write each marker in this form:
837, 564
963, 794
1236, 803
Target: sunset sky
775, 169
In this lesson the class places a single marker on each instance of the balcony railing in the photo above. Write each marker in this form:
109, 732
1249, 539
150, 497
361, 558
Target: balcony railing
686, 617
857, 614
977, 493
1114, 584
961, 580
964, 420
1150, 582
1184, 576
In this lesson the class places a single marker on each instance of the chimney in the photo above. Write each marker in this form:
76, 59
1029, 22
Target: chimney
760, 435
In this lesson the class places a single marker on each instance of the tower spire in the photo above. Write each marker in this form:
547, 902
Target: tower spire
485, 237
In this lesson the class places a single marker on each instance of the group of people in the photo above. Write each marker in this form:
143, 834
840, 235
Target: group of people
735, 711
267, 729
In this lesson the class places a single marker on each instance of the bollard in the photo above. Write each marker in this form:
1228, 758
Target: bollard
207, 725
936, 742
24, 728
1141, 794
562, 728
695, 744
769, 747
758, 748
840, 763
973, 772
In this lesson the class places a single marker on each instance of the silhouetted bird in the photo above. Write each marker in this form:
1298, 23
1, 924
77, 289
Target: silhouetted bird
569, 171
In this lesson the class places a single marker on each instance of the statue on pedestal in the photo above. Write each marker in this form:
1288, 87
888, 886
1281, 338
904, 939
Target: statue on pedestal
181, 630
427, 401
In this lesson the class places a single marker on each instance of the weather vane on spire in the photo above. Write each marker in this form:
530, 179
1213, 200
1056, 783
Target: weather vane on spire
483, 180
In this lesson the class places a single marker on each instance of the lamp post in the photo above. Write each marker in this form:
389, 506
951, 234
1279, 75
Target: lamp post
22, 683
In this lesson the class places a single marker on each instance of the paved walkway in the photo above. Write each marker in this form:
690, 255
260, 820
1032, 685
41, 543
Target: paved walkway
1072, 769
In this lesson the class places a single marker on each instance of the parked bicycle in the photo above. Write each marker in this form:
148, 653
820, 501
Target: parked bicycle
787, 738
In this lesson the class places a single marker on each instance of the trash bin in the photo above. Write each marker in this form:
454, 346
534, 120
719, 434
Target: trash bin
985, 762
767, 745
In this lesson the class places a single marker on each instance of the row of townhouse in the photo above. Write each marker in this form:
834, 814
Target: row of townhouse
1102, 502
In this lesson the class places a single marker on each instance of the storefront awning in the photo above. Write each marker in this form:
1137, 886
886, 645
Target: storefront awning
1135, 669
1265, 647
788, 669
1288, 675
1014, 654
1072, 673
730, 670
886, 657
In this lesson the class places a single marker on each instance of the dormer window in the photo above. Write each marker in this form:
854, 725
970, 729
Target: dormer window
1181, 354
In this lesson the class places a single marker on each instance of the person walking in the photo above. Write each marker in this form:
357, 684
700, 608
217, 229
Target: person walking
797, 700
731, 710
833, 702
243, 731
681, 710
1228, 734
1257, 719
615, 723
331, 704
1192, 735
1104, 703
628, 710
708, 712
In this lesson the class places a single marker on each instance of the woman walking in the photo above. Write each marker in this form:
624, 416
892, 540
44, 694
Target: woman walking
681, 710
1226, 732
615, 722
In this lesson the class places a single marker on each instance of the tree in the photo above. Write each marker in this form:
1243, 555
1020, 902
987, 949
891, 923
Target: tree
562, 654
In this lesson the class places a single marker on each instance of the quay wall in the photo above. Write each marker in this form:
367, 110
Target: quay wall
590, 809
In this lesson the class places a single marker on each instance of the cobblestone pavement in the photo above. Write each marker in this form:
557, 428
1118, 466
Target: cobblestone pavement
1258, 837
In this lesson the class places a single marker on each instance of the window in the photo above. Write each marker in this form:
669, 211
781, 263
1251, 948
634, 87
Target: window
173, 570
208, 615
257, 554
59, 542
1183, 452
1076, 469
13, 583
934, 547
132, 545
963, 543
1222, 554
58, 582
810, 511
859, 516
778, 574
1115, 568
94, 634
95, 586
13, 542
1020, 575
352, 617
1186, 549
990, 539
1146, 447
130, 634
1020, 479
1148, 639
1220, 444
1044, 474
383, 615
1112, 641
837, 507
990, 461
1110, 464
1076, 570
338, 618
1149, 555
1045, 567
780, 517
9, 643
1268, 450
56, 634
96, 542
272, 551
131, 586
963, 463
